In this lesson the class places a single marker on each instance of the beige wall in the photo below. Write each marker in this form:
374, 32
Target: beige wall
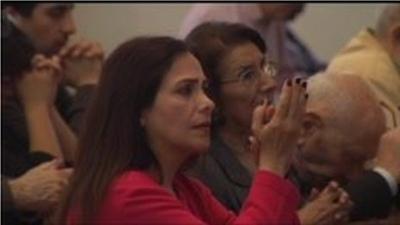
324, 27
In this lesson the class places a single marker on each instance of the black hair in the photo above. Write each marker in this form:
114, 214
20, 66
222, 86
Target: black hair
23, 8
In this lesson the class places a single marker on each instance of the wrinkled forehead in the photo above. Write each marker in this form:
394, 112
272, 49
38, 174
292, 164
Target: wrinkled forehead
241, 54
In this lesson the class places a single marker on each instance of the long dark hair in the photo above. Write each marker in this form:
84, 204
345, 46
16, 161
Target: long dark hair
113, 140
210, 42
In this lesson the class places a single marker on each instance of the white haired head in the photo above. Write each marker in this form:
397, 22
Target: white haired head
342, 125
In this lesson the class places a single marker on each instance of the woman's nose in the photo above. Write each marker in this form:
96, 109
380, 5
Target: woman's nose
206, 103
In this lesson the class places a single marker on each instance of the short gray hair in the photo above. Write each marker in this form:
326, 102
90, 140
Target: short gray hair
346, 103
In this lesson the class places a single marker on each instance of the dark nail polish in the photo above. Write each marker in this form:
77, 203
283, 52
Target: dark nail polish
304, 84
289, 82
306, 96
298, 80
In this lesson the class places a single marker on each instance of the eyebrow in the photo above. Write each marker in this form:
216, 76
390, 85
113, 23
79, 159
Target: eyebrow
190, 80
246, 67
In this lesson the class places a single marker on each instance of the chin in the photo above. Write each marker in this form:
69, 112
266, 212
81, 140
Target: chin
201, 146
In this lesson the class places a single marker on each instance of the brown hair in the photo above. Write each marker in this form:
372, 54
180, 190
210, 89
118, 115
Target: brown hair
113, 140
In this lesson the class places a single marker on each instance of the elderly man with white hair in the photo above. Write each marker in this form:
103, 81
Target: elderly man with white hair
374, 55
342, 131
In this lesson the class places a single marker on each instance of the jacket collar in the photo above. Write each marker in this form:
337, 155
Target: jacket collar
228, 162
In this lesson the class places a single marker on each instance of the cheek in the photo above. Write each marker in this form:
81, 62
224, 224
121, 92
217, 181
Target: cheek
175, 113
46, 28
166, 121
238, 103
311, 147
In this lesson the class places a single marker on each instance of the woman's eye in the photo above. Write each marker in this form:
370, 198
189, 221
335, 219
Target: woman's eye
186, 90
248, 75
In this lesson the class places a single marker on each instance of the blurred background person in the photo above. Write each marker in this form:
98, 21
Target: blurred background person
374, 55
37, 110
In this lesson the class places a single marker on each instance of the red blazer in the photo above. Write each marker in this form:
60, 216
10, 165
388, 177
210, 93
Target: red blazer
136, 198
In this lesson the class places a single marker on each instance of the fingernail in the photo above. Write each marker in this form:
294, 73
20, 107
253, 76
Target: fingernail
334, 184
304, 84
289, 82
306, 96
297, 80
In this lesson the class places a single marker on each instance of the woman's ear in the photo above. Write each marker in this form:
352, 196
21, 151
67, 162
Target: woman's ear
311, 125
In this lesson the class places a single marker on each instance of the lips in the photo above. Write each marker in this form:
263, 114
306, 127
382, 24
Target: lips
206, 124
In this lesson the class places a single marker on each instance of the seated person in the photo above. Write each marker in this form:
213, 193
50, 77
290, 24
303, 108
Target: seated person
37, 111
153, 86
337, 142
374, 55
233, 58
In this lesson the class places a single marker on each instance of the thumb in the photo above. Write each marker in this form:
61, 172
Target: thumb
314, 194
258, 118
67, 172
269, 113
57, 163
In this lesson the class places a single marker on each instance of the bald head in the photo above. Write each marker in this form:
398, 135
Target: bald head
345, 104
341, 128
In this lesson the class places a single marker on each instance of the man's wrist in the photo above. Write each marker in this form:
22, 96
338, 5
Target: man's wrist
17, 190
38, 108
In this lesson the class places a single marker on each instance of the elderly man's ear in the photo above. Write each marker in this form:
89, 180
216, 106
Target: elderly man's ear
311, 125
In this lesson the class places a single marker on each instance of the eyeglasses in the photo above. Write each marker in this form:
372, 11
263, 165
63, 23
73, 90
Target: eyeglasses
250, 74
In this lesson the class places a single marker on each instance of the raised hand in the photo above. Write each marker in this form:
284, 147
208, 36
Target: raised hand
82, 63
276, 131
39, 86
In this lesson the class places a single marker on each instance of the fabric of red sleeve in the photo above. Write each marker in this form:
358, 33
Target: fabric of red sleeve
137, 199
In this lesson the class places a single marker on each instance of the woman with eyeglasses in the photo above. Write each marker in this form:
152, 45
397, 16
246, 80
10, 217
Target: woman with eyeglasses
234, 60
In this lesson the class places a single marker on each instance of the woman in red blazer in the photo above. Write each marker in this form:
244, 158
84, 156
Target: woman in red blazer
149, 120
